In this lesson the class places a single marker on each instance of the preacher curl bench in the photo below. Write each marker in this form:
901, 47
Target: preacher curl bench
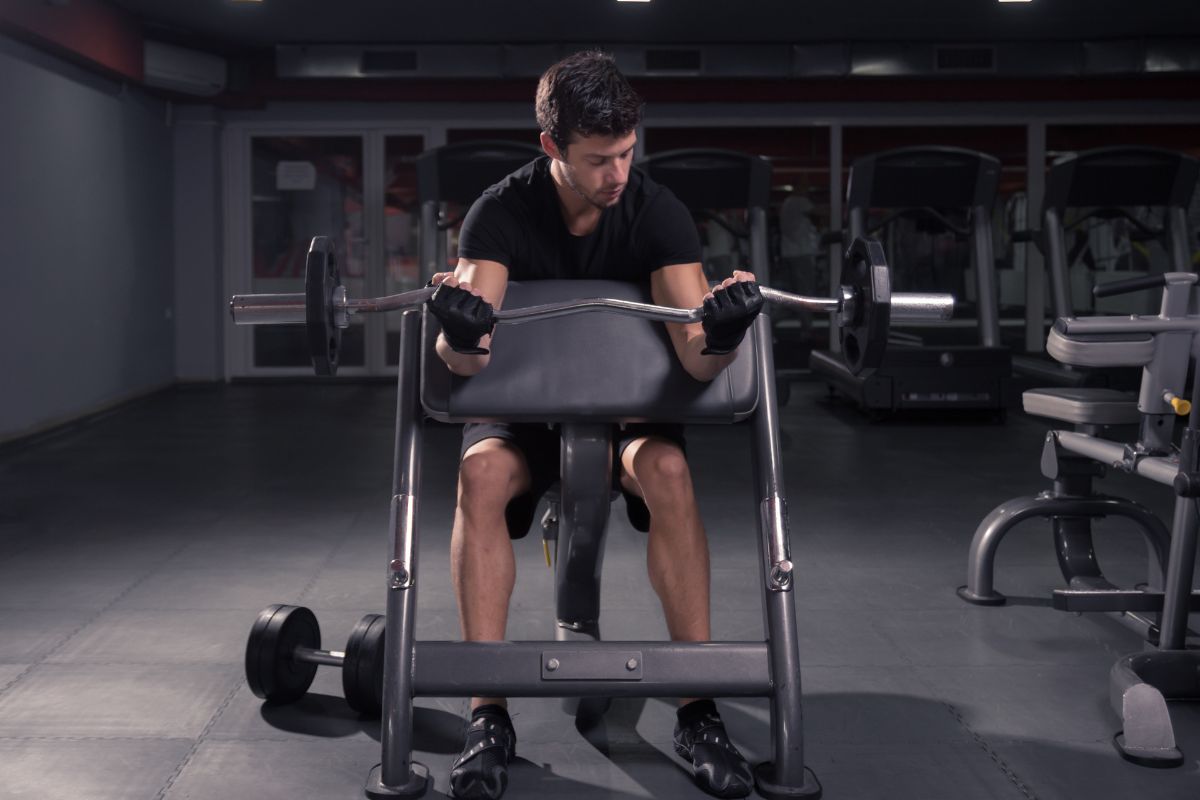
583, 372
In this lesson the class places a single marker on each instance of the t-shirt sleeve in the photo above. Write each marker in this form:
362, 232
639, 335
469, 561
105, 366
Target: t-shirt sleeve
668, 233
488, 232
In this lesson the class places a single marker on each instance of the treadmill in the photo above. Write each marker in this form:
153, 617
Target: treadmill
708, 180
926, 184
1103, 184
459, 174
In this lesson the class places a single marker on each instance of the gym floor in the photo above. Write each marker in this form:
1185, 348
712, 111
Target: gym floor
136, 550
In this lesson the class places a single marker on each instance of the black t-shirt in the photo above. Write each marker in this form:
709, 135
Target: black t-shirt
518, 222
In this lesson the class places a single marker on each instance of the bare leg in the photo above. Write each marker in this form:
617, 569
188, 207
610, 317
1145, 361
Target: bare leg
481, 554
677, 552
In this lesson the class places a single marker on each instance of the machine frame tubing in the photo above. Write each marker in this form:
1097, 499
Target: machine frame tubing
779, 611
585, 456
398, 775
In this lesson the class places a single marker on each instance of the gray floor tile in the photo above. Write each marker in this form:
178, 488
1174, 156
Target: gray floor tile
96, 769
29, 635
255, 547
46, 588
1095, 771
215, 589
268, 770
160, 637
910, 770
829, 585
322, 714
1021, 702
982, 636
114, 700
853, 706
93, 547
9, 673
363, 588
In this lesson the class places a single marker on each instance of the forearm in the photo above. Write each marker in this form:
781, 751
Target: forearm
703, 367
463, 364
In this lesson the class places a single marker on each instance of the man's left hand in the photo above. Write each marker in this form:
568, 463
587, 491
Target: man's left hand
729, 310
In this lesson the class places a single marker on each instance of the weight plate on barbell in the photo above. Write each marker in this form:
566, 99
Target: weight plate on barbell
271, 671
362, 668
866, 306
321, 277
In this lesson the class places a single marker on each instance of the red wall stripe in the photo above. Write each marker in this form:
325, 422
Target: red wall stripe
91, 31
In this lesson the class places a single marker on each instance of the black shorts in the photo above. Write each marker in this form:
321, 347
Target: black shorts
540, 445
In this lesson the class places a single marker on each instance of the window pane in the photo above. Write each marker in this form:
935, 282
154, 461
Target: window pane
305, 186
401, 221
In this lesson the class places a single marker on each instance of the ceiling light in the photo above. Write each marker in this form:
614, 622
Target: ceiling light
1016, 1
633, 1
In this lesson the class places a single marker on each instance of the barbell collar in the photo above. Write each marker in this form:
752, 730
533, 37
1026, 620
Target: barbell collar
267, 309
922, 306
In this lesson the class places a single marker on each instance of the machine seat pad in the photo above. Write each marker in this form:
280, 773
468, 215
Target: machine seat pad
593, 367
1083, 406
1101, 350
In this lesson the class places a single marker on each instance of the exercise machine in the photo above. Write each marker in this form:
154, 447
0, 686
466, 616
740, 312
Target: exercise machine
457, 174
1164, 346
554, 362
927, 184
1096, 186
710, 182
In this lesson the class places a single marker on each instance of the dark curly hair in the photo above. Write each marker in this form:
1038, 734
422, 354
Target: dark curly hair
586, 94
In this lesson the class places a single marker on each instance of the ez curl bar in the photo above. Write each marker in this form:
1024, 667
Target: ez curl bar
862, 308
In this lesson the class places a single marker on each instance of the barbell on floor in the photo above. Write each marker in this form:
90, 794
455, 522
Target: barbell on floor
862, 310
284, 651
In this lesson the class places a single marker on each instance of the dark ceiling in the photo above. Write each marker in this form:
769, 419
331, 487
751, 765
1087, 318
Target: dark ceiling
240, 25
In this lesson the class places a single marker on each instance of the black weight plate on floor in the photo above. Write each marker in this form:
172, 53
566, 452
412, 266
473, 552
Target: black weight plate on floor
321, 277
866, 315
362, 670
270, 670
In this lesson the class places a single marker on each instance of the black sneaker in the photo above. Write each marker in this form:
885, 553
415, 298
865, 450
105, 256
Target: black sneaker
700, 739
481, 770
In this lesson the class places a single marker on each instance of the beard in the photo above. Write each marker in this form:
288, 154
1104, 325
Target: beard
599, 199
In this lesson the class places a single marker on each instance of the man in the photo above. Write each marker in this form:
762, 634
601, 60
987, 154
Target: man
582, 212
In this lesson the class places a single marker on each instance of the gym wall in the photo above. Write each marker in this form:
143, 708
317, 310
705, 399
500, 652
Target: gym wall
86, 219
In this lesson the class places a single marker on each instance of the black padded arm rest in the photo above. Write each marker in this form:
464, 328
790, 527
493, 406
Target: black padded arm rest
599, 367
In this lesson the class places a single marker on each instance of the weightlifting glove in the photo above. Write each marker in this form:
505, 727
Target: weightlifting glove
727, 315
465, 318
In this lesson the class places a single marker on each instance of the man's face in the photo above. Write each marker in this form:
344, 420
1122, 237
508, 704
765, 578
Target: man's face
597, 167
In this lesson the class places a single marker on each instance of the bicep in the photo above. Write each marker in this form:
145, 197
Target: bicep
490, 278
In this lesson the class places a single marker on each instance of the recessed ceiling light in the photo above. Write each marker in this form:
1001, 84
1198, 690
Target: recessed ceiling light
1016, 1
633, 1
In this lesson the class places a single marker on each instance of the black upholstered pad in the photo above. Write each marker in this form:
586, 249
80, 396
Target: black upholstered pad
598, 366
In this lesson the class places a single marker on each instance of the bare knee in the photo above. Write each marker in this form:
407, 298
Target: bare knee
661, 469
488, 478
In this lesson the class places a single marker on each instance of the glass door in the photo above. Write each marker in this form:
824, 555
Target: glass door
301, 187
356, 187
401, 227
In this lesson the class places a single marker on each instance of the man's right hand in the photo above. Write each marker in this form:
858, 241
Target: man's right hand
465, 316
